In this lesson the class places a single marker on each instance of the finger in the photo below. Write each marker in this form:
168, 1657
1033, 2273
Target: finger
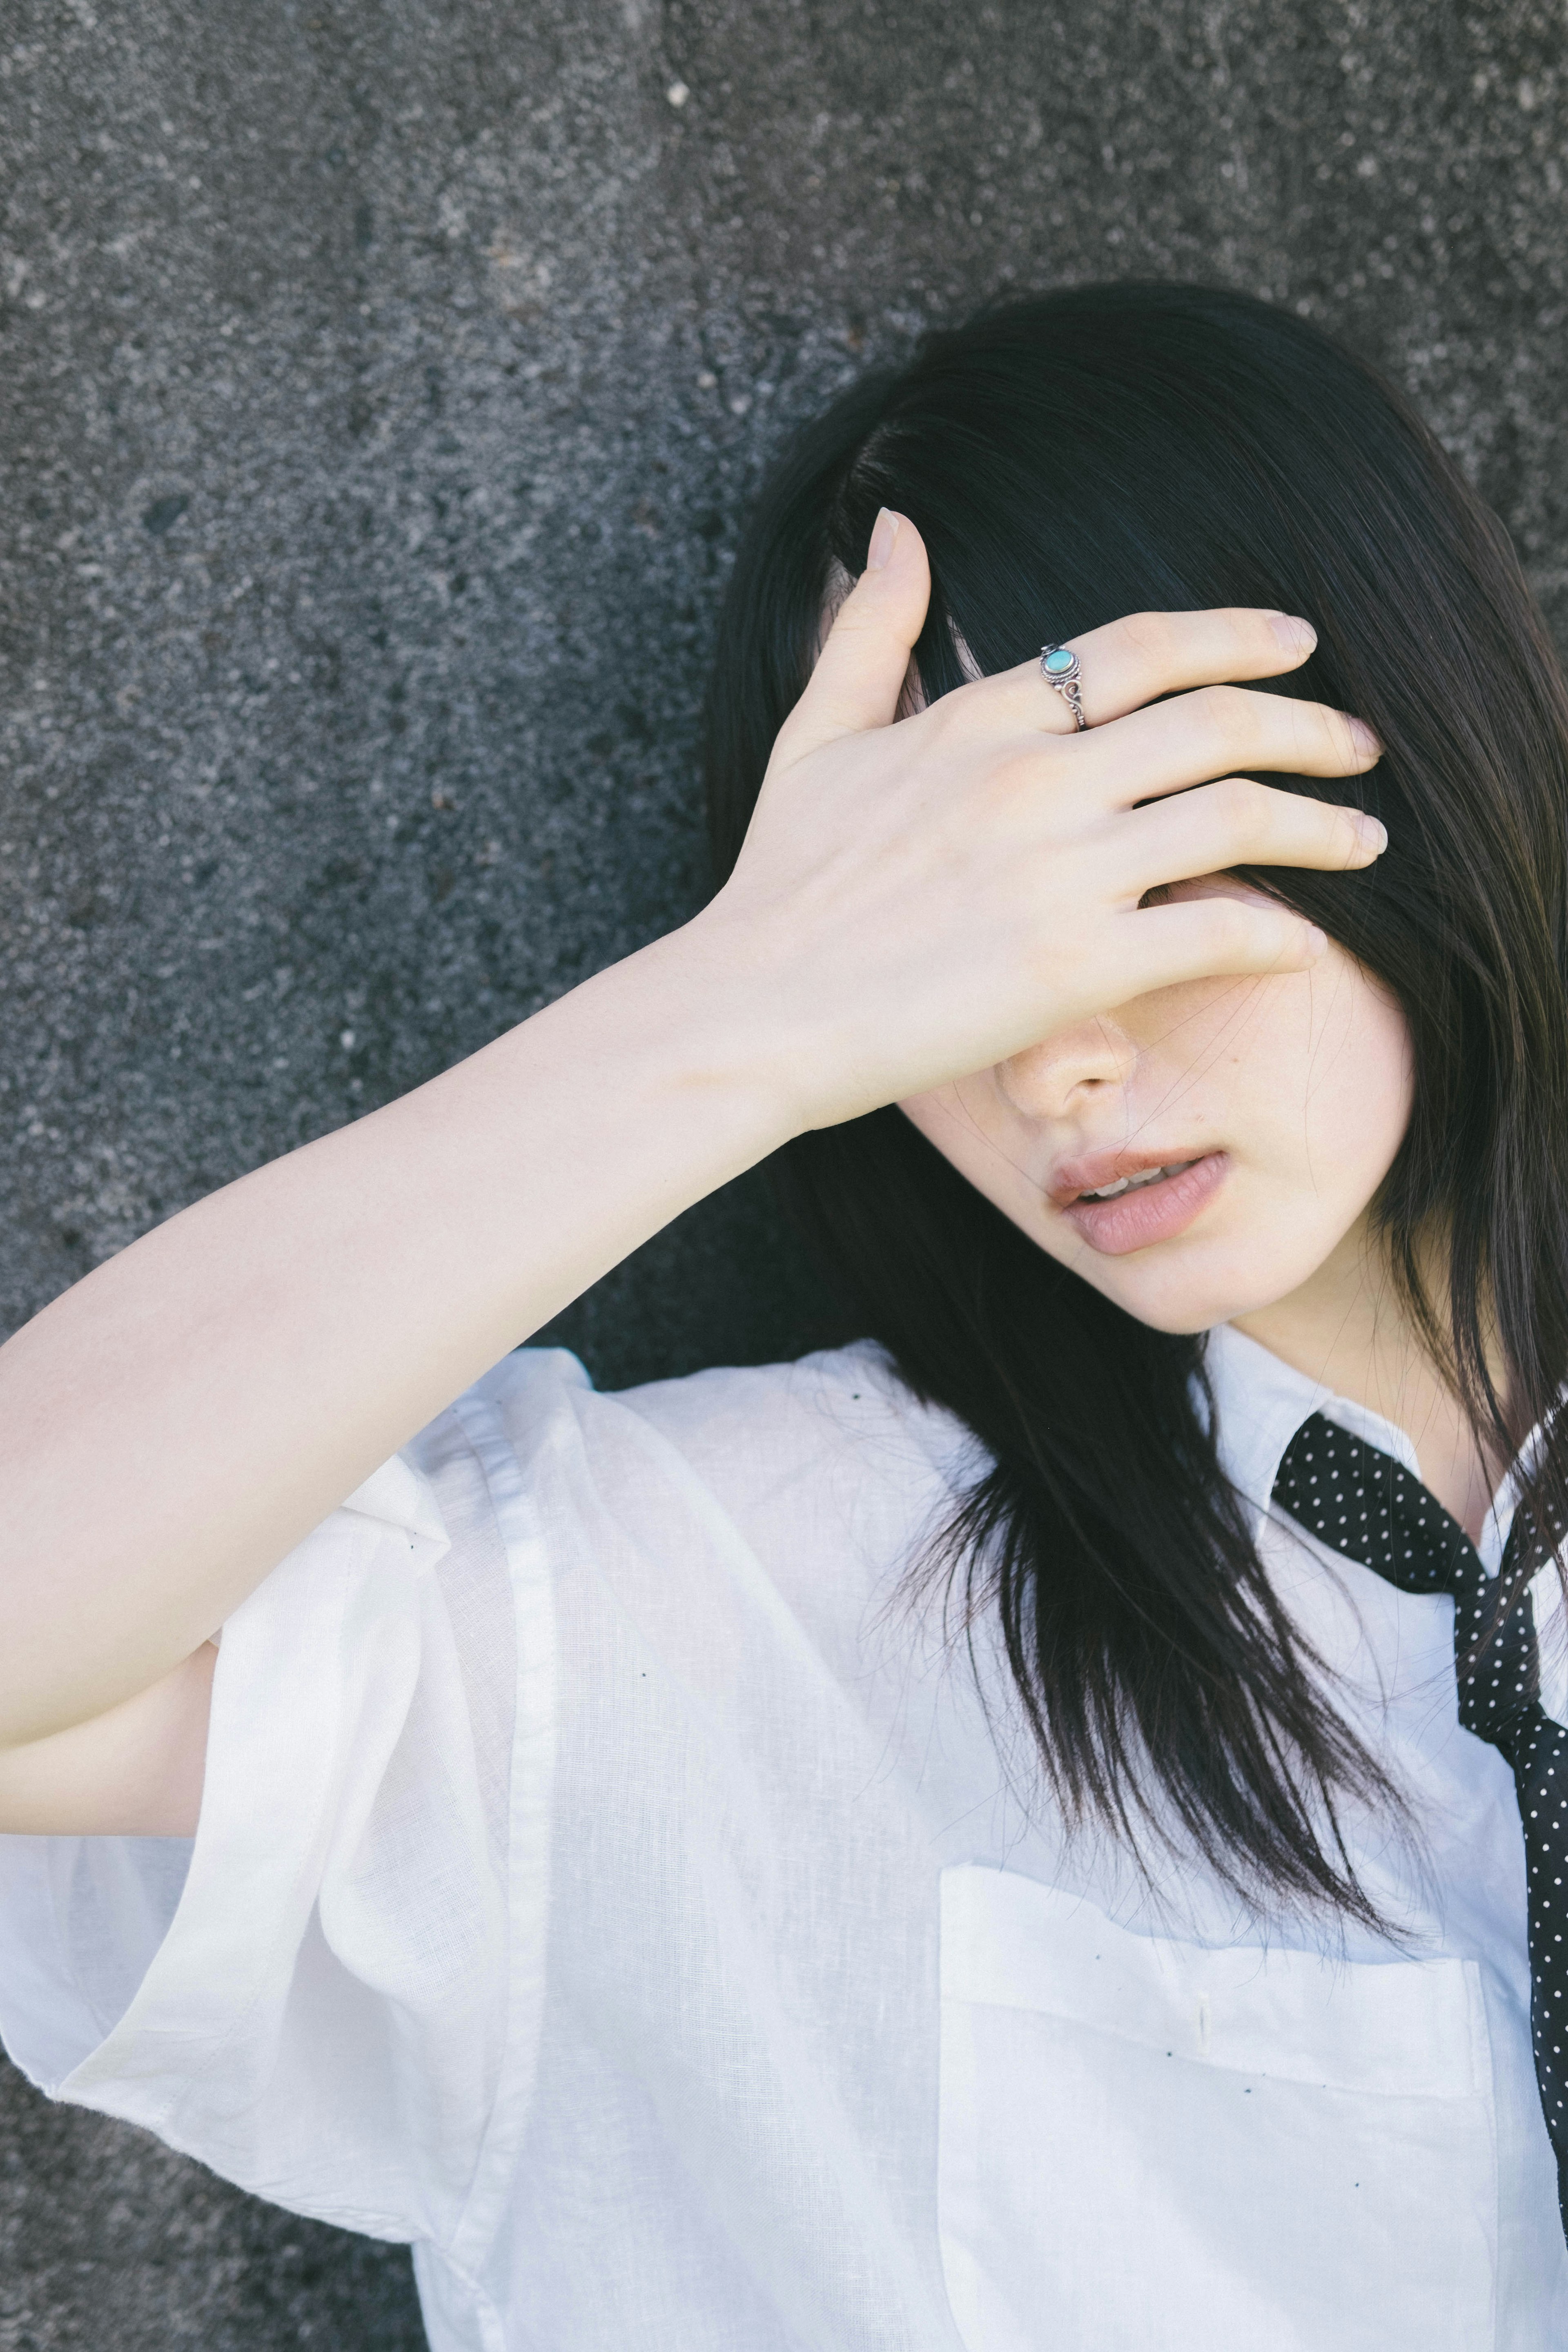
1239, 821
1144, 655
1220, 729
1206, 939
861, 669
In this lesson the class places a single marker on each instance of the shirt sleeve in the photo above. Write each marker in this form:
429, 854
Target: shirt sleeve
325, 1996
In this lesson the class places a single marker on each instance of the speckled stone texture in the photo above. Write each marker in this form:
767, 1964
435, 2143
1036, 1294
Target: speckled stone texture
383, 385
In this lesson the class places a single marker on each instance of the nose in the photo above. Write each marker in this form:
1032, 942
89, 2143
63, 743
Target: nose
1049, 1080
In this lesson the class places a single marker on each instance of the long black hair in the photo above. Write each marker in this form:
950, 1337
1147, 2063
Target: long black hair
1130, 448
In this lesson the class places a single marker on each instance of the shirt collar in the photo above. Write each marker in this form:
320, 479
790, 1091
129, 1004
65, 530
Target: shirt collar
1261, 1402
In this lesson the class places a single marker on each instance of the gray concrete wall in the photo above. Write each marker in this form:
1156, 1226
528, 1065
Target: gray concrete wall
382, 382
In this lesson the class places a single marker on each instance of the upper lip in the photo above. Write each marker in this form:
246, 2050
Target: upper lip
1091, 1170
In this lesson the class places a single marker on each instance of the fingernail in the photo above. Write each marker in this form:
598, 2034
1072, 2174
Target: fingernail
882, 538
1296, 636
1373, 833
1365, 740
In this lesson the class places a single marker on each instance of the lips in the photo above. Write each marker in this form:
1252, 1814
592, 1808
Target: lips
1144, 1176
1122, 1201
1111, 1172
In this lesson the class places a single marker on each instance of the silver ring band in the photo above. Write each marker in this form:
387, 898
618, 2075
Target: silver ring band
1060, 668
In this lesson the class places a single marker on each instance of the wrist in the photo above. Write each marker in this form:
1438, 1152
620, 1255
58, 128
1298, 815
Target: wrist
714, 1023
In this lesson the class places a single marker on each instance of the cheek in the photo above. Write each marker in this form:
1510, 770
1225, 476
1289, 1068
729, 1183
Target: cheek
1305, 1081
1339, 1088
1313, 1104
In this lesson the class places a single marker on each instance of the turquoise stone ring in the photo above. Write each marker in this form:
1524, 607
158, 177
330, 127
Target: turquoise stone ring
1060, 668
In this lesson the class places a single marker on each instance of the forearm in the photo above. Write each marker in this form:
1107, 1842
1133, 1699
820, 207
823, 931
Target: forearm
171, 1426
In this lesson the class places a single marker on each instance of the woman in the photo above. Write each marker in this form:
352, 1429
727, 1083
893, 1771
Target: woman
1038, 1828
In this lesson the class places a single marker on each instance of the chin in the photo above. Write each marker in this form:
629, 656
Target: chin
1186, 1291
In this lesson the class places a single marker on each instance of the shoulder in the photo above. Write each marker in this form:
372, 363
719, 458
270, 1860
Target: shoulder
844, 1405
745, 1433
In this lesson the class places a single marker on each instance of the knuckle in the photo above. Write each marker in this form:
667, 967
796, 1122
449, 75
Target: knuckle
1016, 775
1154, 636
1231, 926
1251, 627
1225, 713
1303, 725
1323, 736
1241, 802
1342, 746
962, 706
855, 617
949, 718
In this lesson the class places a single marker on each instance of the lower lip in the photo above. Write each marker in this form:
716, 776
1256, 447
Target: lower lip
1148, 1213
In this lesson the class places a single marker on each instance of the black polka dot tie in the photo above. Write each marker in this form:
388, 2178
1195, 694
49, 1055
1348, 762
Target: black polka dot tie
1361, 1502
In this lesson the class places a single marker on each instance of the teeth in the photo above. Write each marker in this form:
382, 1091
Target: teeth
1131, 1184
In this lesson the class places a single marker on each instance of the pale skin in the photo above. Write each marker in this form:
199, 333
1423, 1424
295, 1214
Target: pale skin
1302, 1081
1012, 929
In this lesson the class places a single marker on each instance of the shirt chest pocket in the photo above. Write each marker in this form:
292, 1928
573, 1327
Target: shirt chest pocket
1145, 2143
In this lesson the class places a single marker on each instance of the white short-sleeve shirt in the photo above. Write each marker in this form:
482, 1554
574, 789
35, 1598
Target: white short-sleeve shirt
606, 1882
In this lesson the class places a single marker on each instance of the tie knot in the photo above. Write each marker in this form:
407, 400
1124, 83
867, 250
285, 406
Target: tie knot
1360, 1501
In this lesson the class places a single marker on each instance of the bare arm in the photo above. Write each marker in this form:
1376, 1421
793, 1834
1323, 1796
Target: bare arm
136, 1772
913, 902
177, 1422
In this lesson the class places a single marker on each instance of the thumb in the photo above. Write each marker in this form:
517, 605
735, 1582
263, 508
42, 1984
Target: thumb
860, 671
